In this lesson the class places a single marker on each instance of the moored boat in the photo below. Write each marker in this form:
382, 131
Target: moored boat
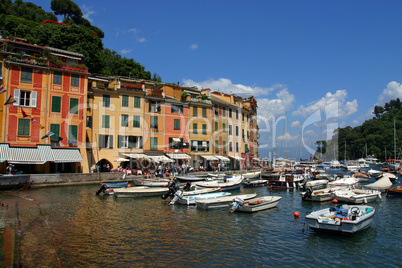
151, 182
395, 191
221, 202
140, 191
107, 188
344, 182
191, 199
341, 219
251, 175
255, 204
357, 196
229, 185
319, 195
255, 183
392, 177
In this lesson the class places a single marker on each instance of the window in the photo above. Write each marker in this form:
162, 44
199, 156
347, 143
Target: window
223, 127
73, 106
154, 143
54, 139
56, 104
195, 130
105, 121
230, 112
124, 120
230, 146
26, 74
204, 112
224, 146
57, 78
72, 133
25, 98
216, 110
242, 133
216, 145
204, 129
242, 116
106, 100
237, 131
105, 141
154, 122
89, 121
136, 121
176, 124
201, 146
246, 150
137, 102
175, 143
224, 111
23, 127
195, 111
176, 109
237, 147
154, 106
75, 80
216, 126
124, 100
230, 130
248, 134
129, 142
237, 114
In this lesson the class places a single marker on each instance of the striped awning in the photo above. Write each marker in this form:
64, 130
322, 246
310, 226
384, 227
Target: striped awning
135, 156
159, 158
179, 156
67, 155
23, 155
256, 159
209, 157
223, 158
236, 157
4, 152
45, 152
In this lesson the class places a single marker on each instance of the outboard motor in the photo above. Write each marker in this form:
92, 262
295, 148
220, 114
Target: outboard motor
307, 194
172, 190
178, 195
237, 202
187, 186
102, 189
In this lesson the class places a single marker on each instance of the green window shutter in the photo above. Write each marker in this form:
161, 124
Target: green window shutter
124, 120
140, 142
23, 127
72, 133
55, 128
131, 141
204, 129
124, 100
195, 130
75, 80
216, 126
176, 124
136, 121
119, 137
101, 141
224, 127
154, 143
106, 100
105, 121
216, 145
57, 78
224, 145
195, 111
137, 103
73, 106
56, 104
110, 141
204, 112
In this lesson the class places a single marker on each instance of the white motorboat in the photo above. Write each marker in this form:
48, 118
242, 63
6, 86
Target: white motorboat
392, 177
251, 175
255, 204
341, 219
152, 182
230, 184
344, 182
316, 184
221, 202
140, 191
191, 199
320, 195
375, 173
357, 196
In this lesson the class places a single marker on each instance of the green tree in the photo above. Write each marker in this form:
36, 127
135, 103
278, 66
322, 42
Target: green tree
67, 8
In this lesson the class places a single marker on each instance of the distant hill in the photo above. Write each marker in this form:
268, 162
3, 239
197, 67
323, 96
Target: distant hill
75, 33
377, 133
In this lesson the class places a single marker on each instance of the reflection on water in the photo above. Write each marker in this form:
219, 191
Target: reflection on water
71, 226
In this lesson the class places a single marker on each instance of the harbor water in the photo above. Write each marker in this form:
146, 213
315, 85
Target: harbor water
73, 227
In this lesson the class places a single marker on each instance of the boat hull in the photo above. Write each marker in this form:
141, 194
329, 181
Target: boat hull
325, 221
221, 202
191, 199
257, 183
140, 191
259, 204
396, 191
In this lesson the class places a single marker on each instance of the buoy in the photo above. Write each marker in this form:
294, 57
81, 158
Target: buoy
334, 201
259, 201
128, 185
296, 214
164, 185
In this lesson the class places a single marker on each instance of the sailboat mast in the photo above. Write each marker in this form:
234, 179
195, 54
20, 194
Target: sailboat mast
394, 141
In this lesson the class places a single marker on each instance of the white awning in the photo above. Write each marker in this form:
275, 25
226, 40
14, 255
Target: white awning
122, 160
67, 155
159, 158
21, 155
179, 156
236, 157
176, 139
223, 158
136, 156
45, 152
256, 159
4, 152
209, 157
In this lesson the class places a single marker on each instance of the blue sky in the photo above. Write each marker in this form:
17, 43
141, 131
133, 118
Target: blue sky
323, 64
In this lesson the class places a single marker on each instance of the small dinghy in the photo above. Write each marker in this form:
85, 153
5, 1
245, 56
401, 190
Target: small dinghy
395, 191
341, 219
107, 188
256, 183
191, 199
221, 202
255, 204
357, 196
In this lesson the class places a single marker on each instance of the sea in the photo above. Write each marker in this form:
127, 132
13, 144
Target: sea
73, 227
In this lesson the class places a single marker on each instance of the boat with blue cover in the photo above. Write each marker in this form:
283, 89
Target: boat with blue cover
107, 188
341, 219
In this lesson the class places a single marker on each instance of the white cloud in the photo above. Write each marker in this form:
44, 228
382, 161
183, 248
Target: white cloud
334, 105
295, 124
275, 107
193, 47
393, 91
87, 12
125, 51
225, 85
136, 34
287, 137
